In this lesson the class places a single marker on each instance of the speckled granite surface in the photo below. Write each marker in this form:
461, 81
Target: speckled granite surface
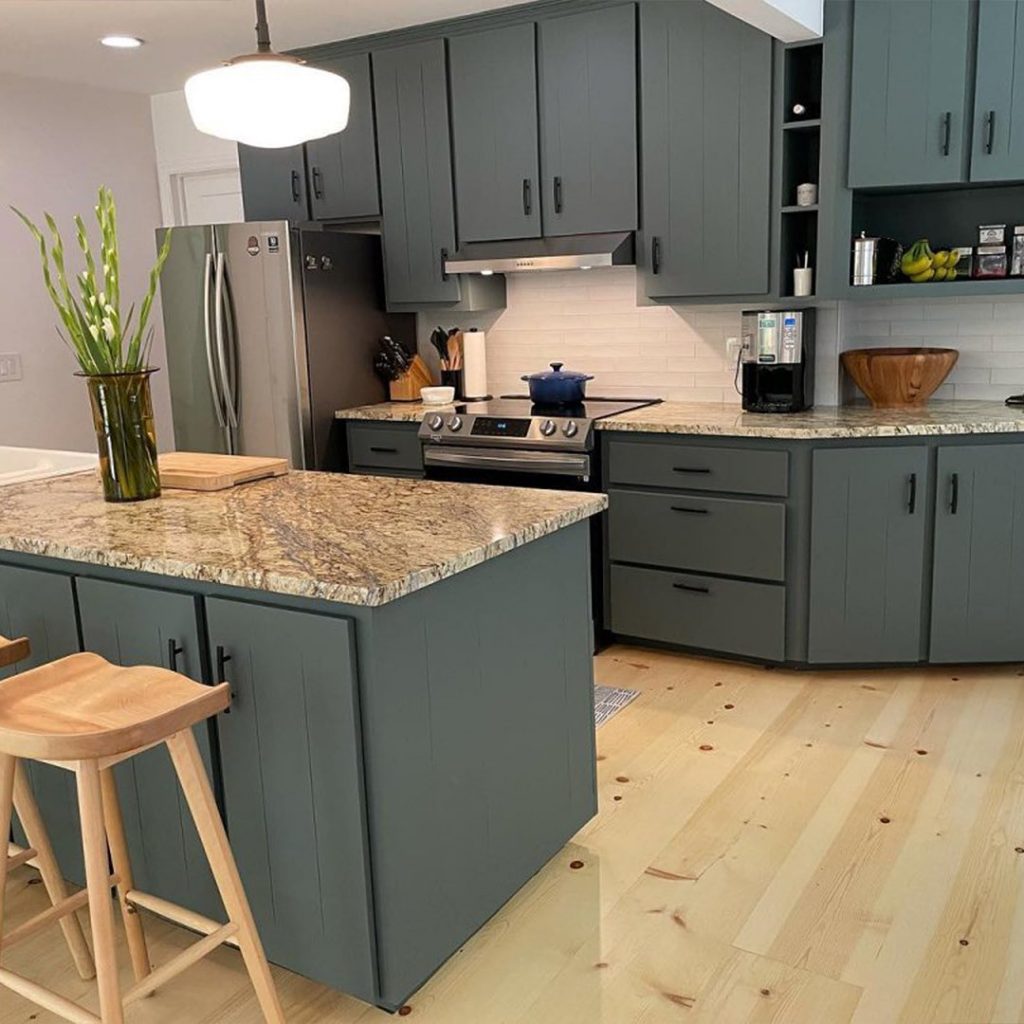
354, 539
827, 421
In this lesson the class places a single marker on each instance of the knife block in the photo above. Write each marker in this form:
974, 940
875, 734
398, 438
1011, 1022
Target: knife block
407, 387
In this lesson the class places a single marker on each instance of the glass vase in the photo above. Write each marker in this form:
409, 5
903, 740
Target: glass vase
122, 413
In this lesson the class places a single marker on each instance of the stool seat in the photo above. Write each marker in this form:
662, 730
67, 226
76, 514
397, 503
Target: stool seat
83, 707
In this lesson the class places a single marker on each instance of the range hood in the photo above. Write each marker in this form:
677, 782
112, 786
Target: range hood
569, 252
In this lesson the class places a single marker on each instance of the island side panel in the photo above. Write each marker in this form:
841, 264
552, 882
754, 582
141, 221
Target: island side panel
478, 719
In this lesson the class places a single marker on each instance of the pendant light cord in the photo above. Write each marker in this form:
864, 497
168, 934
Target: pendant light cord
262, 28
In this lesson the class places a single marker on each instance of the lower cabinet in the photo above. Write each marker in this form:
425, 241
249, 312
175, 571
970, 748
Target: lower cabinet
868, 534
978, 579
384, 449
293, 789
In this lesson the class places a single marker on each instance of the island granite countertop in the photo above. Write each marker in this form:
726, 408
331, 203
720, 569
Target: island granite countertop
729, 420
357, 540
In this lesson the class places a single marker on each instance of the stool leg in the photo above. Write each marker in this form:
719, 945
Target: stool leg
49, 871
97, 874
123, 869
8, 765
196, 786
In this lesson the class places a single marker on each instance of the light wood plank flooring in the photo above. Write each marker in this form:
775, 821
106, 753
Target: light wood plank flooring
771, 847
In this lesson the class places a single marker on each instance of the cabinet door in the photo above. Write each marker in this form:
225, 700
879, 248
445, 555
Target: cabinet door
908, 105
707, 86
293, 789
868, 524
41, 606
978, 579
411, 88
343, 167
997, 153
494, 133
273, 183
132, 625
588, 121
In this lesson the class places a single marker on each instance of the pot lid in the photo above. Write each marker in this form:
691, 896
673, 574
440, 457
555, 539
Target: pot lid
557, 373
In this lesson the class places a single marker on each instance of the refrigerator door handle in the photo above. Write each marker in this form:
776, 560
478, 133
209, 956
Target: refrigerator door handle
218, 401
222, 357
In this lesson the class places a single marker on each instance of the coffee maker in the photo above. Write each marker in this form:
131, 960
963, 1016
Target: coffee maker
778, 360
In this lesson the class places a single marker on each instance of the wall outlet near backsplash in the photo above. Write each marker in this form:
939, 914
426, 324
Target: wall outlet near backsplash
10, 367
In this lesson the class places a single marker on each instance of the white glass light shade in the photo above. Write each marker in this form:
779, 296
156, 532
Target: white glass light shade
268, 101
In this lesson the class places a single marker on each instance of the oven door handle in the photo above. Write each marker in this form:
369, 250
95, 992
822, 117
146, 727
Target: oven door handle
554, 463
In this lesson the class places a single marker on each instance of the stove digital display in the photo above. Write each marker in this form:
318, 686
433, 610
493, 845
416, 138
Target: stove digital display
494, 426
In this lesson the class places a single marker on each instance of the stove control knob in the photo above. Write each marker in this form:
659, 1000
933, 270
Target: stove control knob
436, 422
455, 424
571, 429
547, 428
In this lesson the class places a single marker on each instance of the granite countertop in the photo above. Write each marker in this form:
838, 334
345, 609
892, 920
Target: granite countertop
358, 540
729, 420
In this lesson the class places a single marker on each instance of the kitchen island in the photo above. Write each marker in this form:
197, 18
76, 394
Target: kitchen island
411, 735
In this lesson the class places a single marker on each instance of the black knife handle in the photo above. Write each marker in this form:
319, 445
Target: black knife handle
655, 255
173, 650
527, 197
296, 187
557, 189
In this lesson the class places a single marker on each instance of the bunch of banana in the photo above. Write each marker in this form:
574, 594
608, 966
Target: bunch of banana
920, 264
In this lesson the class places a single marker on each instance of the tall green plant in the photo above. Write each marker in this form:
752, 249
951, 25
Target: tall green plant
102, 340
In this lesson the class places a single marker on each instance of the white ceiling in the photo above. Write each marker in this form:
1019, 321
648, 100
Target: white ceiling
58, 38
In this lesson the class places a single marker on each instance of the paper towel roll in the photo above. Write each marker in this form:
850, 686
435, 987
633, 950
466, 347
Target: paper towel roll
474, 364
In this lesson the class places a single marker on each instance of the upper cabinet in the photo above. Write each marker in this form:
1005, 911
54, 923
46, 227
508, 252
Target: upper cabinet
588, 121
997, 152
413, 139
494, 133
706, 129
274, 183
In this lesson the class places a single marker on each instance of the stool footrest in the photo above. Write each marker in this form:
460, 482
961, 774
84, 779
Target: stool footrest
46, 999
47, 917
17, 855
179, 915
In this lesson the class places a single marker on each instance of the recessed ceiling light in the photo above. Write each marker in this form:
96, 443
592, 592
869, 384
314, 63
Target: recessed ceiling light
122, 42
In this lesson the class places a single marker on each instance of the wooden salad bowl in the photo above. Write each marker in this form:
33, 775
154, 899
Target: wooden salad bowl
898, 378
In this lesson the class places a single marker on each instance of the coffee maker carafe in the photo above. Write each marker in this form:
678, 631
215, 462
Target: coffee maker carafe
778, 360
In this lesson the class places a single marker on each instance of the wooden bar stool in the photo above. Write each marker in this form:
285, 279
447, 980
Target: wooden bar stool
85, 715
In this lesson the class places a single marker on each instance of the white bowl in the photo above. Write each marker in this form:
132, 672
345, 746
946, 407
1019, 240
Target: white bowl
437, 396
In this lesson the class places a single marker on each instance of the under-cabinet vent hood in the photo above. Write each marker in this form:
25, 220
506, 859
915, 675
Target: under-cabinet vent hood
569, 252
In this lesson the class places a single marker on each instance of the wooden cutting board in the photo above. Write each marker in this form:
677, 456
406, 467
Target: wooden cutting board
199, 471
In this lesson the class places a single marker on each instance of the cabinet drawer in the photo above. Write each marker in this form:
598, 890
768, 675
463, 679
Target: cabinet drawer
731, 616
372, 446
719, 535
698, 468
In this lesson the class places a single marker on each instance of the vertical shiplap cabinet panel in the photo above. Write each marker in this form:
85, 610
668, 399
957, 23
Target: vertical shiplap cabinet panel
494, 133
41, 606
293, 788
343, 167
706, 108
868, 530
414, 146
131, 625
588, 121
997, 153
978, 581
910, 85
273, 183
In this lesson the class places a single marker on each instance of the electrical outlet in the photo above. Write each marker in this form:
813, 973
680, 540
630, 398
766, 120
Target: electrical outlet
733, 347
10, 367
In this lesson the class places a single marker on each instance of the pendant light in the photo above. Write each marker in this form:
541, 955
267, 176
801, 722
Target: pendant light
267, 99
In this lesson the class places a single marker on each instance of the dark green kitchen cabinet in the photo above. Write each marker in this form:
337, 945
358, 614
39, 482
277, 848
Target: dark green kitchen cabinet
997, 151
911, 81
494, 133
867, 560
342, 168
588, 130
132, 625
274, 183
706, 130
293, 788
41, 606
418, 205
978, 578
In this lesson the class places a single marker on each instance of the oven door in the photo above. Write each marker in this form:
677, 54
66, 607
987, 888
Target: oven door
510, 467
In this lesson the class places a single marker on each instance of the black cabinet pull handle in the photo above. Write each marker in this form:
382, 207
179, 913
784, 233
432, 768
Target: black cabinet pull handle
558, 194
527, 197
692, 589
318, 183
947, 125
954, 494
444, 260
296, 187
222, 660
690, 469
655, 255
173, 650
691, 511
912, 498
383, 451
990, 131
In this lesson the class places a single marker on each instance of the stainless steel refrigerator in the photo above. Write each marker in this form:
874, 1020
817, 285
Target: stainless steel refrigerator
270, 330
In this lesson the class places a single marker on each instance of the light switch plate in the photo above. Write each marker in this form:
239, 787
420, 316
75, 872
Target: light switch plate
10, 367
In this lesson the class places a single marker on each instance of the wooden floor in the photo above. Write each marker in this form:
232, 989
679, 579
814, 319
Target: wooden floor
771, 847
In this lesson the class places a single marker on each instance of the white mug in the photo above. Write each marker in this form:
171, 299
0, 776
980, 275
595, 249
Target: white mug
803, 281
806, 194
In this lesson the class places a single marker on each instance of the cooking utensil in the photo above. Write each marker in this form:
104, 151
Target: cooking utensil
439, 339
557, 386
454, 349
